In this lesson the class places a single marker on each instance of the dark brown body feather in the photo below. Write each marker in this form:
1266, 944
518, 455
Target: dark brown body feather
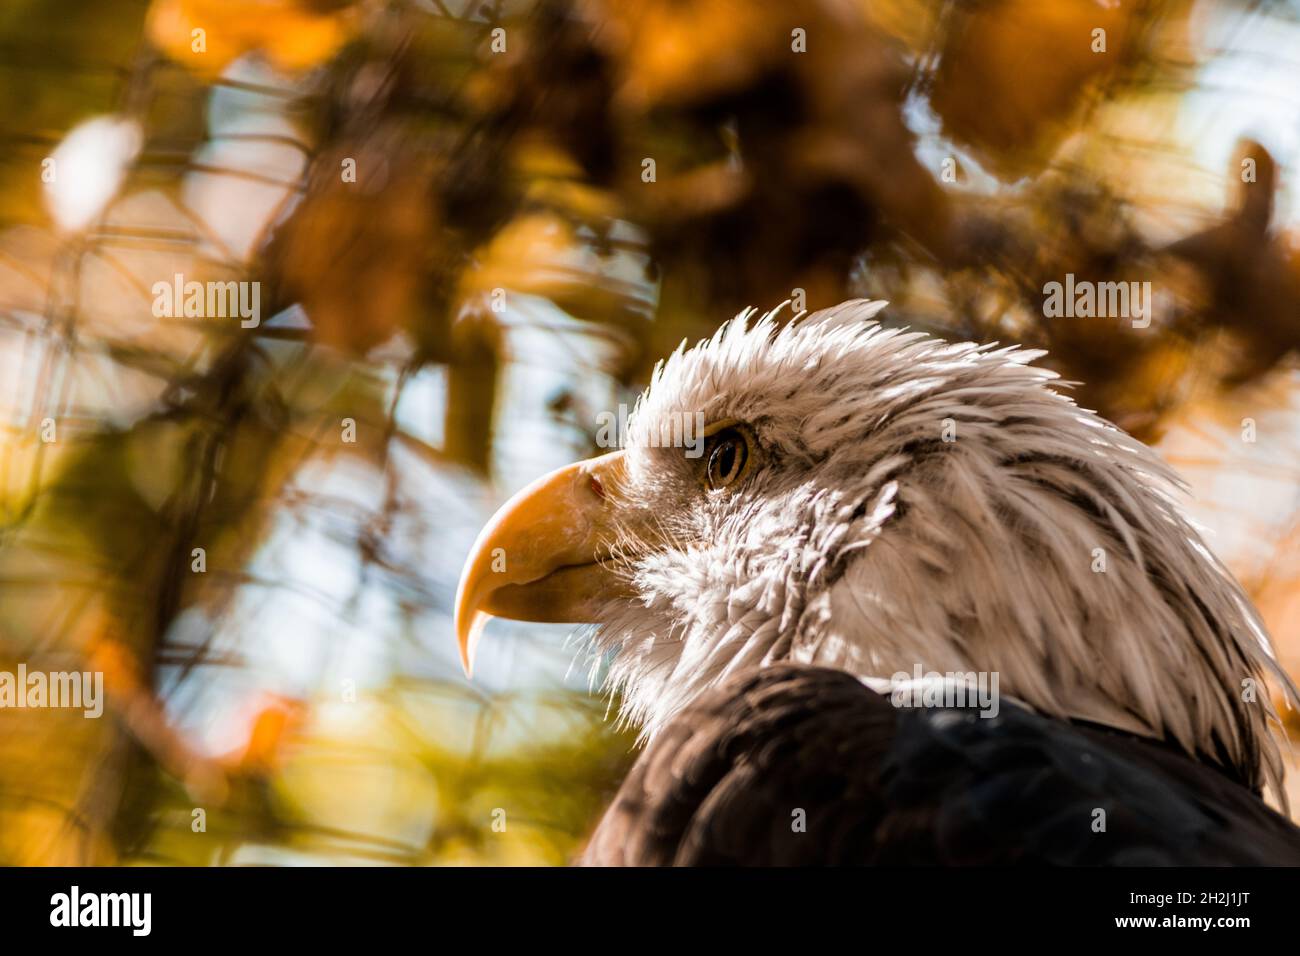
724, 784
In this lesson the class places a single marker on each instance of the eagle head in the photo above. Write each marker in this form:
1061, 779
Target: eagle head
835, 492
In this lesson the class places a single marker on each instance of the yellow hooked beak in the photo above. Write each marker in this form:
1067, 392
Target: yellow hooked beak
541, 556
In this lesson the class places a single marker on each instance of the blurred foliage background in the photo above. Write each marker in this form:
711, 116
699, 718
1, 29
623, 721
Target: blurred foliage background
462, 250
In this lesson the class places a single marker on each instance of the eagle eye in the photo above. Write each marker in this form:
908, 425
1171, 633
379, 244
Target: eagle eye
727, 457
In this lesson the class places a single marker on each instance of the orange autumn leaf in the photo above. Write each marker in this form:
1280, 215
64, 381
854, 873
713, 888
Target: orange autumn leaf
206, 35
1012, 73
354, 257
272, 726
668, 52
117, 663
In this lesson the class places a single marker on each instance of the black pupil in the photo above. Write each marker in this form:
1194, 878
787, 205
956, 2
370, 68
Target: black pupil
726, 461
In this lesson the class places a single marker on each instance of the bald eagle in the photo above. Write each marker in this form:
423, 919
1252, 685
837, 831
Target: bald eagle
903, 602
